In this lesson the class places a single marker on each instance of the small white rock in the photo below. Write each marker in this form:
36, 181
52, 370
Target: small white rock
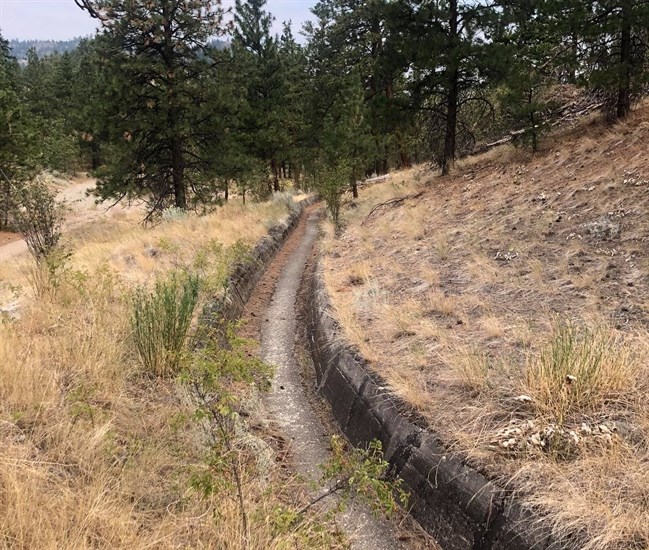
535, 439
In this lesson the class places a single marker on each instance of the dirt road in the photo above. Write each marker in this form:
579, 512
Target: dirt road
81, 209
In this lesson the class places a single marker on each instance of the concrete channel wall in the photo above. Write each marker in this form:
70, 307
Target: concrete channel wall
459, 506
246, 274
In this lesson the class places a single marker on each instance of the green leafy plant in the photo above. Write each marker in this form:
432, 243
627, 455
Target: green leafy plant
161, 320
214, 377
331, 183
362, 473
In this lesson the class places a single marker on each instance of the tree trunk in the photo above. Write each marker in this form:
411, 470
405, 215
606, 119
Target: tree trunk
624, 82
94, 155
354, 185
226, 191
178, 173
174, 116
274, 169
296, 174
5, 204
448, 157
405, 160
386, 160
574, 50
533, 130
535, 139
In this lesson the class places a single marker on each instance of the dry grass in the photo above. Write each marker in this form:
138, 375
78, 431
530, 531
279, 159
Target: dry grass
97, 453
476, 279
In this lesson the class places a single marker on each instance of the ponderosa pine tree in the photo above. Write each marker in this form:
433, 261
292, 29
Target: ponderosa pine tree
529, 59
339, 133
162, 127
257, 59
355, 35
447, 47
294, 72
89, 103
47, 85
607, 42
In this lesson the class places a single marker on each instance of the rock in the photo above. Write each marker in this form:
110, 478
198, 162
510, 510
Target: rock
535, 439
604, 228
151, 251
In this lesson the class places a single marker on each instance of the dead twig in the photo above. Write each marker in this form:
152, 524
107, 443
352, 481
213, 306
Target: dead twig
391, 204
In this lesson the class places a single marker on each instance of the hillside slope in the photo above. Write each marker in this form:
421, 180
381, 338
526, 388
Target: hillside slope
508, 304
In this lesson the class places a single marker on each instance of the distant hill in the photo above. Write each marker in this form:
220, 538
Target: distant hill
48, 47
219, 44
43, 47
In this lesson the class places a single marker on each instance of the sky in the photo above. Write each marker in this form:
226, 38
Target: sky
63, 20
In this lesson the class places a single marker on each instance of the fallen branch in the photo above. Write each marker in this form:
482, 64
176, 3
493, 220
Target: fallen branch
563, 115
391, 204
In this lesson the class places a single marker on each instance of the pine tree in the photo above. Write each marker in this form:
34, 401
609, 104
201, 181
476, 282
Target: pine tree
257, 58
294, 74
529, 61
158, 57
449, 57
608, 45
355, 35
91, 84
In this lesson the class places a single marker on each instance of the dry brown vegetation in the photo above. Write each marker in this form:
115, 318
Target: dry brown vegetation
509, 305
94, 451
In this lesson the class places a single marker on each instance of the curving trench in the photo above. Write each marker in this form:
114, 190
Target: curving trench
272, 308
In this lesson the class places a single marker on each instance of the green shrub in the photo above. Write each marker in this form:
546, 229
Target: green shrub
161, 321
331, 183
38, 219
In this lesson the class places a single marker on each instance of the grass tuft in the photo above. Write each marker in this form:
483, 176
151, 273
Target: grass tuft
577, 371
161, 320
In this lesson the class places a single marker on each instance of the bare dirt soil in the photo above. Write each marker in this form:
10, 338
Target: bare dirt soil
508, 304
7, 237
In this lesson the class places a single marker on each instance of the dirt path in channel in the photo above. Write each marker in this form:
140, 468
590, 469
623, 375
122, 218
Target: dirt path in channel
270, 315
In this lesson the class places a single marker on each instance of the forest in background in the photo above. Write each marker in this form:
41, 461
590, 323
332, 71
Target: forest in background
157, 110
